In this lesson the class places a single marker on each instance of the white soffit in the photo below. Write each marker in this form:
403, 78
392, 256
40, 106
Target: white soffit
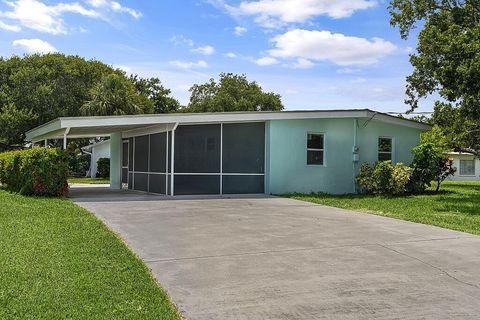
104, 126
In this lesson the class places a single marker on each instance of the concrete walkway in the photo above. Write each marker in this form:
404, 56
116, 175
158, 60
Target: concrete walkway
273, 258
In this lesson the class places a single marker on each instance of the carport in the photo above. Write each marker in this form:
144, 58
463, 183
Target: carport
174, 155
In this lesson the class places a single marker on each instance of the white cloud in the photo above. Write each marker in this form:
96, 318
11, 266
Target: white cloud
39, 16
34, 45
114, 6
189, 64
359, 80
327, 46
347, 70
231, 55
276, 13
182, 40
266, 61
240, 31
9, 27
302, 63
205, 50
36, 15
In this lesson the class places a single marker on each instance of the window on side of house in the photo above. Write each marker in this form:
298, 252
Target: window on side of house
467, 167
385, 149
315, 149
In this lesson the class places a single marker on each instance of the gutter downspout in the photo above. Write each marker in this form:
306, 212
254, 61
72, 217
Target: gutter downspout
355, 153
172, 163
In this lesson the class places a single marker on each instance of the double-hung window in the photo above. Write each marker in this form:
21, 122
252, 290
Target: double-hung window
385, 149
467, 167
315, 149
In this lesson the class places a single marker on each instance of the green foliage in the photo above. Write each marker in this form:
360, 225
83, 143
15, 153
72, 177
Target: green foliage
115, 95
35, 171
157, 93
35, 89
429, 164
103, 168
447, 64
78, 164
437, 138
13, 125
384, 178
232, 93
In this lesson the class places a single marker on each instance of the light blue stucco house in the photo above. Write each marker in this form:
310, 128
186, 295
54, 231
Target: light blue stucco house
243, 152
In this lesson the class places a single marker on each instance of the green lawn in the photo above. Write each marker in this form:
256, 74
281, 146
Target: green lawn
57, 261
89, 180
456, 206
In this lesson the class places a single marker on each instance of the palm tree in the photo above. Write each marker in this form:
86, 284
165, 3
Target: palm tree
113, 95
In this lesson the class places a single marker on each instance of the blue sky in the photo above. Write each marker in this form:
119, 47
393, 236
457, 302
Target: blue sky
317, 54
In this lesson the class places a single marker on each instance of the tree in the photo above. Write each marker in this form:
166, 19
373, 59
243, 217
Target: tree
437, 138
13, 124
160, 96
35, 89
115, 95
429, 164
232, 93
447, 64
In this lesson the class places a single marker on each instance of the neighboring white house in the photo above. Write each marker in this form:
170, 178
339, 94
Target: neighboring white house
97, 151
468, 167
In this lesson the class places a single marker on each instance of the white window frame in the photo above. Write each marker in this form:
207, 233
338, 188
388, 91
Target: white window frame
460, 168
392, 153
315, 149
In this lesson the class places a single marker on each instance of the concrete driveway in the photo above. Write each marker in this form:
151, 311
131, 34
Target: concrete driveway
273, 258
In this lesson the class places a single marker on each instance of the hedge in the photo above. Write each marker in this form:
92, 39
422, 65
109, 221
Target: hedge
103, 168
36, 171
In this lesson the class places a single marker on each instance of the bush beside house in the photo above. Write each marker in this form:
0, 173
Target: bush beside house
384, 178
103, 168
36, 171
429, 164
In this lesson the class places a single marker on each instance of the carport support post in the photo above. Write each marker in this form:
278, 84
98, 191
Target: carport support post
116, 160
172, 163
65, 138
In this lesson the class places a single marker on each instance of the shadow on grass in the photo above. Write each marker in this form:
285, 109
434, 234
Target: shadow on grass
465, 204
470, 186
432, 193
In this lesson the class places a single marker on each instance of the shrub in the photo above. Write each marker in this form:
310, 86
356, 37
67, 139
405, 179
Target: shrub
384, 178
103, 168
79, 164
429, 164
35, 171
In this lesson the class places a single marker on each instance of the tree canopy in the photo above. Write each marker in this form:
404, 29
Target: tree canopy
232, 93
115, 95
35, 89
446, 64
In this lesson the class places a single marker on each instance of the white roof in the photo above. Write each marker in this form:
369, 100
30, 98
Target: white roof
453, 153
81, 127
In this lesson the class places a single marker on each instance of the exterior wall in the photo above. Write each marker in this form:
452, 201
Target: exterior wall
287, 153
288, 169
404, 139
456, 163
101, 150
